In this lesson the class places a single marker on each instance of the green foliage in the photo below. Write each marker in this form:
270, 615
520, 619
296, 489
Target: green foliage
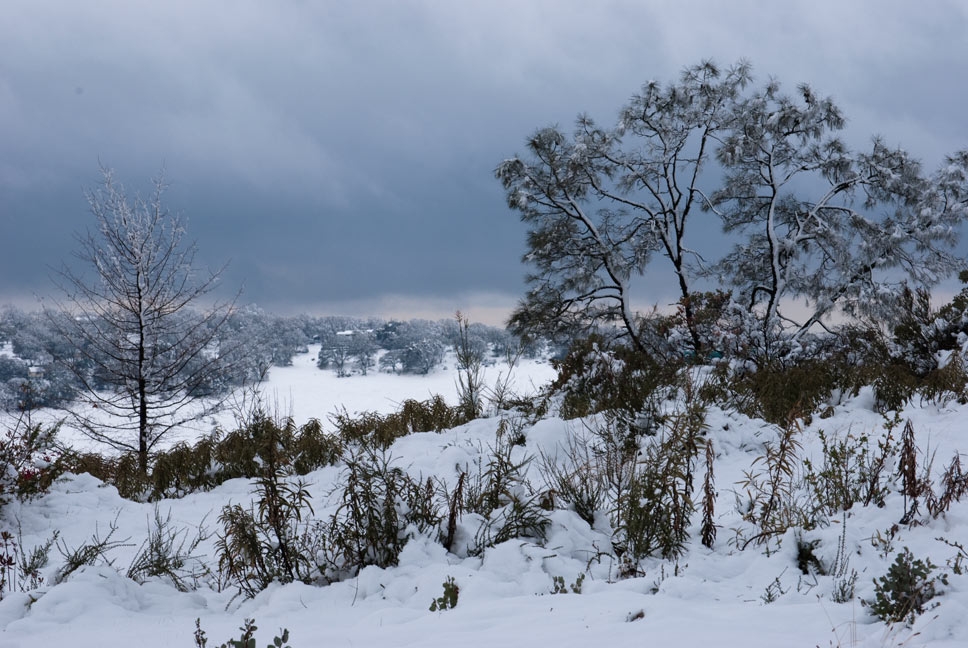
96, 551
244, 452
708, 529
381, 508
267, 542
653, 514
245, 640
377, 430
773, 501
499, 491
558, 585
921, 355
773, 591
20, 569
903, 592
895, 385
594, 378
29, 460
779, 391
122, 472
577, 476
448, 600
852, 472
807, 560
216, 458
470, 370
169, 554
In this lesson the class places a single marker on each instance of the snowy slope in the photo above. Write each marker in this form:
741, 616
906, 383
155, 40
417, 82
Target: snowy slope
711, 597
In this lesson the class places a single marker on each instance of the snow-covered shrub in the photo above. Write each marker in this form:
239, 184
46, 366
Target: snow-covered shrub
594, 378
268, 541
772, 499
122, 472
29, 462
576, 474
903, 592
381, 508
169, 554
378, 430
216, 458
652, 517
470, 351
245, 640
448, 600
779, 391
498, 491
854, 469
924, 352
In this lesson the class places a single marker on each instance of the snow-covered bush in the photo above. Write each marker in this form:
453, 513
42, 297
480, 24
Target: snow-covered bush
378, 430
268, 541
594, 377
29, 460
653, 515
504, 506
381, 508
905, 590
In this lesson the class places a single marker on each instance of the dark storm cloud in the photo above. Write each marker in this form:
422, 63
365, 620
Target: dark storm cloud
341, 154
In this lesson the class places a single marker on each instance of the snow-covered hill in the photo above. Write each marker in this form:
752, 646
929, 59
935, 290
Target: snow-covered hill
723, 596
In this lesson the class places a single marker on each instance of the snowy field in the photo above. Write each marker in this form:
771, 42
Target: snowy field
722, 596
304, 391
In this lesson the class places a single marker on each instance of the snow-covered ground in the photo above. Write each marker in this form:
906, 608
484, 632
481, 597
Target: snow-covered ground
712, 597
304, 391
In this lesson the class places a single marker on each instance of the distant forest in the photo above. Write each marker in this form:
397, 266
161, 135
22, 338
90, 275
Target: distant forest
42, 370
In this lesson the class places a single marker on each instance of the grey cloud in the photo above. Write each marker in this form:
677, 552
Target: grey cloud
342, 152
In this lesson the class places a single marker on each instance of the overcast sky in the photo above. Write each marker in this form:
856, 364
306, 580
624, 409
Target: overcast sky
340, 154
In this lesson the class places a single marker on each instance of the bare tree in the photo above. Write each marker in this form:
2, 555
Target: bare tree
151, 361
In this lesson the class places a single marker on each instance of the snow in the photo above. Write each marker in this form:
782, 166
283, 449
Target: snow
714, 597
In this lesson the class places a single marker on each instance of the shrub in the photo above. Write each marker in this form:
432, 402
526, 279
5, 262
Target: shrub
19, 568
470, 351
381, 508
245, 640
448, 600
29, 462
216, 458
774, 502
499, 492
780, 391
122, 472
578, 477
852, 471
902, 593
558, 585
268, 542
169, 554
595, 378
96, 551
653, 516
376, 430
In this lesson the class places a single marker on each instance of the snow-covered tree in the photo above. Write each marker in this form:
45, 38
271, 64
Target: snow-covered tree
813, 221
363, 349
823, 226
133, 322
415, 346
603, 202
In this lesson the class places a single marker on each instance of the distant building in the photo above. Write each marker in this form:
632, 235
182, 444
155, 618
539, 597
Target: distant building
35, 373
